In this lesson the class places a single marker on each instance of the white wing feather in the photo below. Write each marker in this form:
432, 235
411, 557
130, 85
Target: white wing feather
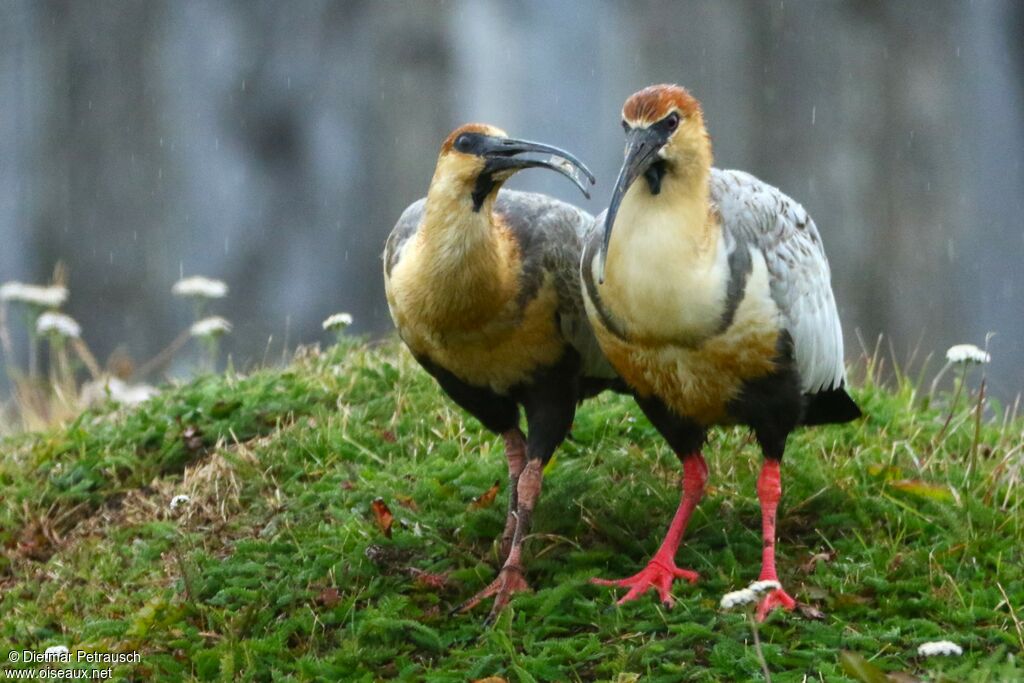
762, 217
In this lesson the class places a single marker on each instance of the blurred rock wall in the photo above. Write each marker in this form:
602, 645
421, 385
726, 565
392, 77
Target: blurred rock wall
273, 145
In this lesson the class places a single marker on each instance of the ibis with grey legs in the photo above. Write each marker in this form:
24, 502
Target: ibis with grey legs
483, 286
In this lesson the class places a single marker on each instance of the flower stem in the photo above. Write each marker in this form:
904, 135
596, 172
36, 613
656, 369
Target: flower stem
956, 400
979, 408
33, 350
757, 647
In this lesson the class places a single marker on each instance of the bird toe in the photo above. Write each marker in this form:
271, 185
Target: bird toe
510, 580
775, 599
655, 576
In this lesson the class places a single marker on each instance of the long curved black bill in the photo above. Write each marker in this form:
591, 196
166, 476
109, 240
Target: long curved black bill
642, 145
502, 155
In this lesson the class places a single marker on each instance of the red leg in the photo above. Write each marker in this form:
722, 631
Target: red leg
769, 491
511, 579
662, 569
515, 452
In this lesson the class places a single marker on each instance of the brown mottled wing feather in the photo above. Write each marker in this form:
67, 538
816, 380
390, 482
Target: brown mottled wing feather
755, 214
550, 234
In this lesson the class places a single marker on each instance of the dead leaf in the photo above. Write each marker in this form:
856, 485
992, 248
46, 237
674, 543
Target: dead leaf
811, 564
486, 498
491, 679
193, 438
860, 669
428, 579
388, 436
922, 489
407, 502
810, 611
376, 554
382, 513
901, 677
33, 543
329, 597
896, 562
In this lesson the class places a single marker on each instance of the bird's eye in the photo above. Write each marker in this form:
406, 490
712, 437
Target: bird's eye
672, 121
625, 126
462, 142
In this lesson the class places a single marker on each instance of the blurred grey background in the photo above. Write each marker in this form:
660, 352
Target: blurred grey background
274, 144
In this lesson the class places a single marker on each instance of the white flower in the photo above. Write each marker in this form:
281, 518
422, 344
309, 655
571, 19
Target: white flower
117, 390
338, 321
737, 598
214, 326
940, 647
132, 394
967, 353
199, 287
52, 296
764, 586
179, 500
55, 653
59, 324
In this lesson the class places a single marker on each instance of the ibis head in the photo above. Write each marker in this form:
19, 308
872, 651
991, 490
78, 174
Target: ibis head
477, 159
665, 141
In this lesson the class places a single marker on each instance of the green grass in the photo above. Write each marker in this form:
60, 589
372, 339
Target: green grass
276, 568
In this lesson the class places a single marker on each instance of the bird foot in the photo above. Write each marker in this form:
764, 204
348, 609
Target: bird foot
658, 574
776, 598
510, 580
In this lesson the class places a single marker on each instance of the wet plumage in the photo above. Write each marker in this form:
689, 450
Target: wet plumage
483, 286
709, 292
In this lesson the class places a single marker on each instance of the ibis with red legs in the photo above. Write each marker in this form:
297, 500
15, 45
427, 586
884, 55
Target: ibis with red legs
483, 286
709, 292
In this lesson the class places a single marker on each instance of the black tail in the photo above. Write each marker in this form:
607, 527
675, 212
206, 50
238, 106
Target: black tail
829, 406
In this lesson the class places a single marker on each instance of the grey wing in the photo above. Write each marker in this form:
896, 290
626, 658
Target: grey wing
575, 323
551, 235
759, 215
407, 225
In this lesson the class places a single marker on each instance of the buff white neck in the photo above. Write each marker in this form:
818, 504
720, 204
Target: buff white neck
666, 271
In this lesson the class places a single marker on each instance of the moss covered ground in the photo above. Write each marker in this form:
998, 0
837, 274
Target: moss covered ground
902, 528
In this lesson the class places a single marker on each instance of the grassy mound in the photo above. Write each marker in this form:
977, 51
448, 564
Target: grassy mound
898, 529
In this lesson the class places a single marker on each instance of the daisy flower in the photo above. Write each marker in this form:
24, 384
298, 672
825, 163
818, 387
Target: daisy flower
51, 296
738, 598
55, 653
210, 328
178, 501
967, 353
199, 287
940, 647
338, 321
764, 586
59, 324
117, 390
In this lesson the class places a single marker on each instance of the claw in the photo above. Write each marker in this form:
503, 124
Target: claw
774, 599
658, 574
510, 580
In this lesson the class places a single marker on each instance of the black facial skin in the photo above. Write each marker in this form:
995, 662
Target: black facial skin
642, 145
500, 155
